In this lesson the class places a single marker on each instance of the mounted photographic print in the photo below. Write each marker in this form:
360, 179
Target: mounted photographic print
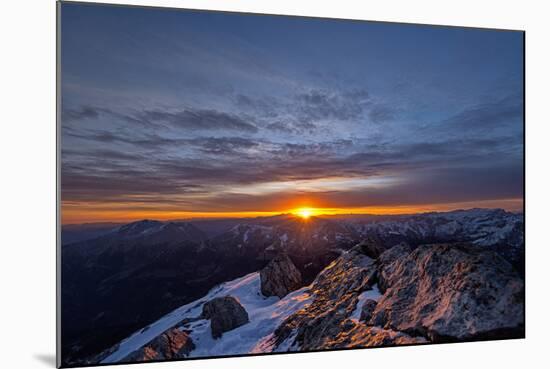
240, 184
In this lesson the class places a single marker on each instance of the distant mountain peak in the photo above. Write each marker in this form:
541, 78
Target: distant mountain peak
139, 227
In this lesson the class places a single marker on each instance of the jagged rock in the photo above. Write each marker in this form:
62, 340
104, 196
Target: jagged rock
280, 277
225, 313
362, 336
367, 309
371, 248
386, 263
172, 344
336, 290
394, 253
450, 292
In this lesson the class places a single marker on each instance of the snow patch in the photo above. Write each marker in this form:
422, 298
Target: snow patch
373, 294
265, 315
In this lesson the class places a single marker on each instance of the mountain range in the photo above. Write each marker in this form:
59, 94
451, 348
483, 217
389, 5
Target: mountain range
155, 277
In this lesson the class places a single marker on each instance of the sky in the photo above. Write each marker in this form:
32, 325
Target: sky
172, 114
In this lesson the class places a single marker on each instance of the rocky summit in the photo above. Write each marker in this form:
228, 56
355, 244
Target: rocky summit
331, 320
368, 296
450, 293
280, 277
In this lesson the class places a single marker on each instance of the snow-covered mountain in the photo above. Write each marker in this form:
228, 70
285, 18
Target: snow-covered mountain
266, 313
151, 231
345, 307
491, 228
289, 232
494, 229
483, 227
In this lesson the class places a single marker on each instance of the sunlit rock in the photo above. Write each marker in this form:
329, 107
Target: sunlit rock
172, 344
450, 292
280, 277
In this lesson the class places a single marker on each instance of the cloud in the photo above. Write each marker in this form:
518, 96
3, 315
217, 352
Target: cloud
241, 161
189, 119
224, 145
211, 145
217, 164
85, 112
426, 173
267, 107
426, 187
298, 112
96, 135
292, 127
380, 113
345, 105
127, 186
199, 119
303, 112
319, 104
99, 154
488, 116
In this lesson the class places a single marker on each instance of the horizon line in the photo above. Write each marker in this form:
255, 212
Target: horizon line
275, 214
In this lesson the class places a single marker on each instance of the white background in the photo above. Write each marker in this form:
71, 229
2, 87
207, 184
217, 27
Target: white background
27, 209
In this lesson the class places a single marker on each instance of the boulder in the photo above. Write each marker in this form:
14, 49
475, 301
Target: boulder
172, 344
225, 313
450, 292
280, 277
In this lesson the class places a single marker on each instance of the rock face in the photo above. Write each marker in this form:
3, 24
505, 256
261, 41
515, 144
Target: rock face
172, 344
435, 293
327, 322
449, 292
386, 266
280, 277
225, 313
360, 336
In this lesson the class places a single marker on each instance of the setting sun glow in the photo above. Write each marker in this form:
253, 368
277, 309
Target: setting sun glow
304, 212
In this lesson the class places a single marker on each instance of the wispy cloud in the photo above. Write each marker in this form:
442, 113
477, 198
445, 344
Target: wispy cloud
202, 119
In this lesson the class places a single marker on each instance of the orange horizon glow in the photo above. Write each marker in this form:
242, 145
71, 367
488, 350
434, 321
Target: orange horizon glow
305, 213
74, 214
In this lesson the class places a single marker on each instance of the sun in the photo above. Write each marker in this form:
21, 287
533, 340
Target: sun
304, 212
